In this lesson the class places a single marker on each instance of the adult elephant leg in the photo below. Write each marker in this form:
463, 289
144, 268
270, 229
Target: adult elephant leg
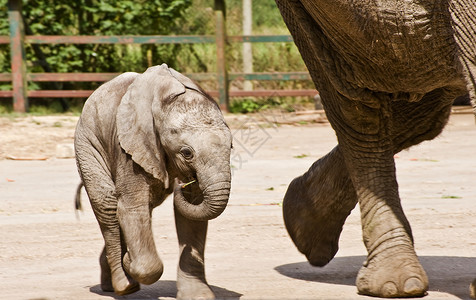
191, 282
364, 132
316, 206
317, 203
392, 268
415, 122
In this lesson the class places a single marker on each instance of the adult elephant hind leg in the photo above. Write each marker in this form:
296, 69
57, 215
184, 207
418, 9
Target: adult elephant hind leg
100, 189
191, 281
316, 206
392, 268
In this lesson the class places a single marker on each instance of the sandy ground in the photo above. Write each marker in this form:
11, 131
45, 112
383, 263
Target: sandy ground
47, 252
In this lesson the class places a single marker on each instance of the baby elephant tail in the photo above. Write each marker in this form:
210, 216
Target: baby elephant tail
77, 199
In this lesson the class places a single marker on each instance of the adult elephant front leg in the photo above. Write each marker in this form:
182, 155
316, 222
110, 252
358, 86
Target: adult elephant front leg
392, 268
316, 206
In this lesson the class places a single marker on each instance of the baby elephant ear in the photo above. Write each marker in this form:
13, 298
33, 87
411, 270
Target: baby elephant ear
135, 122
187, 82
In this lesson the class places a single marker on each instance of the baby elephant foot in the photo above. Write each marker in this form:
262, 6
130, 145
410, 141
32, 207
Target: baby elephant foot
146, 271
119, 283
193, 288
393, 276
122, 285
126, 286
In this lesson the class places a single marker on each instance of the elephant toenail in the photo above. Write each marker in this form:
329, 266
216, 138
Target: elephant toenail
413, 287
472, 289
389, 289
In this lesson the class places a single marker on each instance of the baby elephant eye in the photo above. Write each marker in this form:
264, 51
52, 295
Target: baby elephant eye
186, 152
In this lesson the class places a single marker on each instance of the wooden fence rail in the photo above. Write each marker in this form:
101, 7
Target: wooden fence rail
20, 76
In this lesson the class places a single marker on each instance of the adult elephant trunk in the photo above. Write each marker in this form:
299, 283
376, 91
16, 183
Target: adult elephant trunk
204, 201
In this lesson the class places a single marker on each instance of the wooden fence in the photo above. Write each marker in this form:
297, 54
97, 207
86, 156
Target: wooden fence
19, 75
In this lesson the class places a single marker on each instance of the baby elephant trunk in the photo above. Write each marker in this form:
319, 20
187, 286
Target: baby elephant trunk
207, 201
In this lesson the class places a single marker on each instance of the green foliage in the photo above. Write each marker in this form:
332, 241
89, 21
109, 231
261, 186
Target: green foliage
287, 104
155, 17
267, 57
244, 106
93, 17
5, 108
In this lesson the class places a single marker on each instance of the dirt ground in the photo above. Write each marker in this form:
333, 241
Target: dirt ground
48, 252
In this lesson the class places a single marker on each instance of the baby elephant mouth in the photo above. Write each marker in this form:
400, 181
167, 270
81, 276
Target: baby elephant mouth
191, 190
188, 183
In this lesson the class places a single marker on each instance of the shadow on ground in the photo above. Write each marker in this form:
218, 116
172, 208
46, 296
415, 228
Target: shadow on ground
163, 289
446, 274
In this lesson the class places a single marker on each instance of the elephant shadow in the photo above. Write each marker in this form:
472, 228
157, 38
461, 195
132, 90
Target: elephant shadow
446, 274
162, 289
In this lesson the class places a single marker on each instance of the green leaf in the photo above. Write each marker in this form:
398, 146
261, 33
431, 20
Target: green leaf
451, 197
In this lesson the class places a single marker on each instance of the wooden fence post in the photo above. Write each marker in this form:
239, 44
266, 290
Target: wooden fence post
18, 57
220, 14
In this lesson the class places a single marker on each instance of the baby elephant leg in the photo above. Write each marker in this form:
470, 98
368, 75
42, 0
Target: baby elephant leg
101, 190
191, 282
112, 272
141, 260
106, 279
316, 206
106, 276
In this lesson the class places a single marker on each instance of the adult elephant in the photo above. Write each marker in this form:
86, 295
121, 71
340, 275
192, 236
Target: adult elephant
139, 137
387, 73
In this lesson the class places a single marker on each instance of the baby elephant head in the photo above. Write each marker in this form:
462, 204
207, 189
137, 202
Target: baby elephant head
172, 129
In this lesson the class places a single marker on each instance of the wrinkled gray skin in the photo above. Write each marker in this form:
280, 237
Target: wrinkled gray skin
387, 73
140, 136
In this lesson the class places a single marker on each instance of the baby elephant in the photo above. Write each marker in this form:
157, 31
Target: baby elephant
140, 138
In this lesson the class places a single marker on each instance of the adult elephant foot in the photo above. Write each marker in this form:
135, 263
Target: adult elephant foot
316, 206
193, 288
396, 275
472, 289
